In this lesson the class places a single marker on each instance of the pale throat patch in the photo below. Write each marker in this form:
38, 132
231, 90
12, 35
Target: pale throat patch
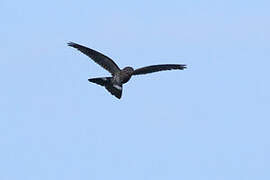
117, 86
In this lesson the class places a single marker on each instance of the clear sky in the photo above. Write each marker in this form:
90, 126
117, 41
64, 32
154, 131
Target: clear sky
208, 122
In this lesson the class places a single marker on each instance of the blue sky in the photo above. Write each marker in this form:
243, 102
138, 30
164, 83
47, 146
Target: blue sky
208, 122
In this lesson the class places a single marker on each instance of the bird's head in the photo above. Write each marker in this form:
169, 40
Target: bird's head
129, 70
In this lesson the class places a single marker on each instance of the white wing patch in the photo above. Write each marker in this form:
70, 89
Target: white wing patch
104, 79
117, 86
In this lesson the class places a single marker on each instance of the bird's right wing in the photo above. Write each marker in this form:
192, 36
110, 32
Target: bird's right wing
156, 68
115, 90
99, 58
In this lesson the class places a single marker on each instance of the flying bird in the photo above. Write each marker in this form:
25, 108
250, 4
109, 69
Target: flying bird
114, 84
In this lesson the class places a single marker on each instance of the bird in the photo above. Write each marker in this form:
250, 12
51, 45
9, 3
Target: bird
114, 84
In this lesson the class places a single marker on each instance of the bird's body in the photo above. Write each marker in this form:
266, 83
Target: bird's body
119, 77
124, 75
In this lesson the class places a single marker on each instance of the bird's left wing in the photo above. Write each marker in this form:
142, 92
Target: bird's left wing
156, 68
99, 58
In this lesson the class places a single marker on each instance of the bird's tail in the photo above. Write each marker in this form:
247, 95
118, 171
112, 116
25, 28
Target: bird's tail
101, 81
114, 89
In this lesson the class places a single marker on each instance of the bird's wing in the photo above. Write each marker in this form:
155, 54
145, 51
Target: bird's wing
156, 68
99, 58
115, 89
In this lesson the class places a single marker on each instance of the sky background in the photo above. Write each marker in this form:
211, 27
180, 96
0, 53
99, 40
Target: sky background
208, 122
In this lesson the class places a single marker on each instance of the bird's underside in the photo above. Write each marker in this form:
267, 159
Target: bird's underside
115, 83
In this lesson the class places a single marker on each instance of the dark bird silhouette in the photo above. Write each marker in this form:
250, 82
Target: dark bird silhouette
119, 77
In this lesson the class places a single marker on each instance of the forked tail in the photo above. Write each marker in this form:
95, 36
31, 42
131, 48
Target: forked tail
101, 81
114, 89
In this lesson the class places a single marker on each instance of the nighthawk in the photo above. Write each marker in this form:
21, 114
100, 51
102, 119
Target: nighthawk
119, 77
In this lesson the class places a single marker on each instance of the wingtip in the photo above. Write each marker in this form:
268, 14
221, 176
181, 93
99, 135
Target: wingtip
182, 66
74, 45
71, 43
